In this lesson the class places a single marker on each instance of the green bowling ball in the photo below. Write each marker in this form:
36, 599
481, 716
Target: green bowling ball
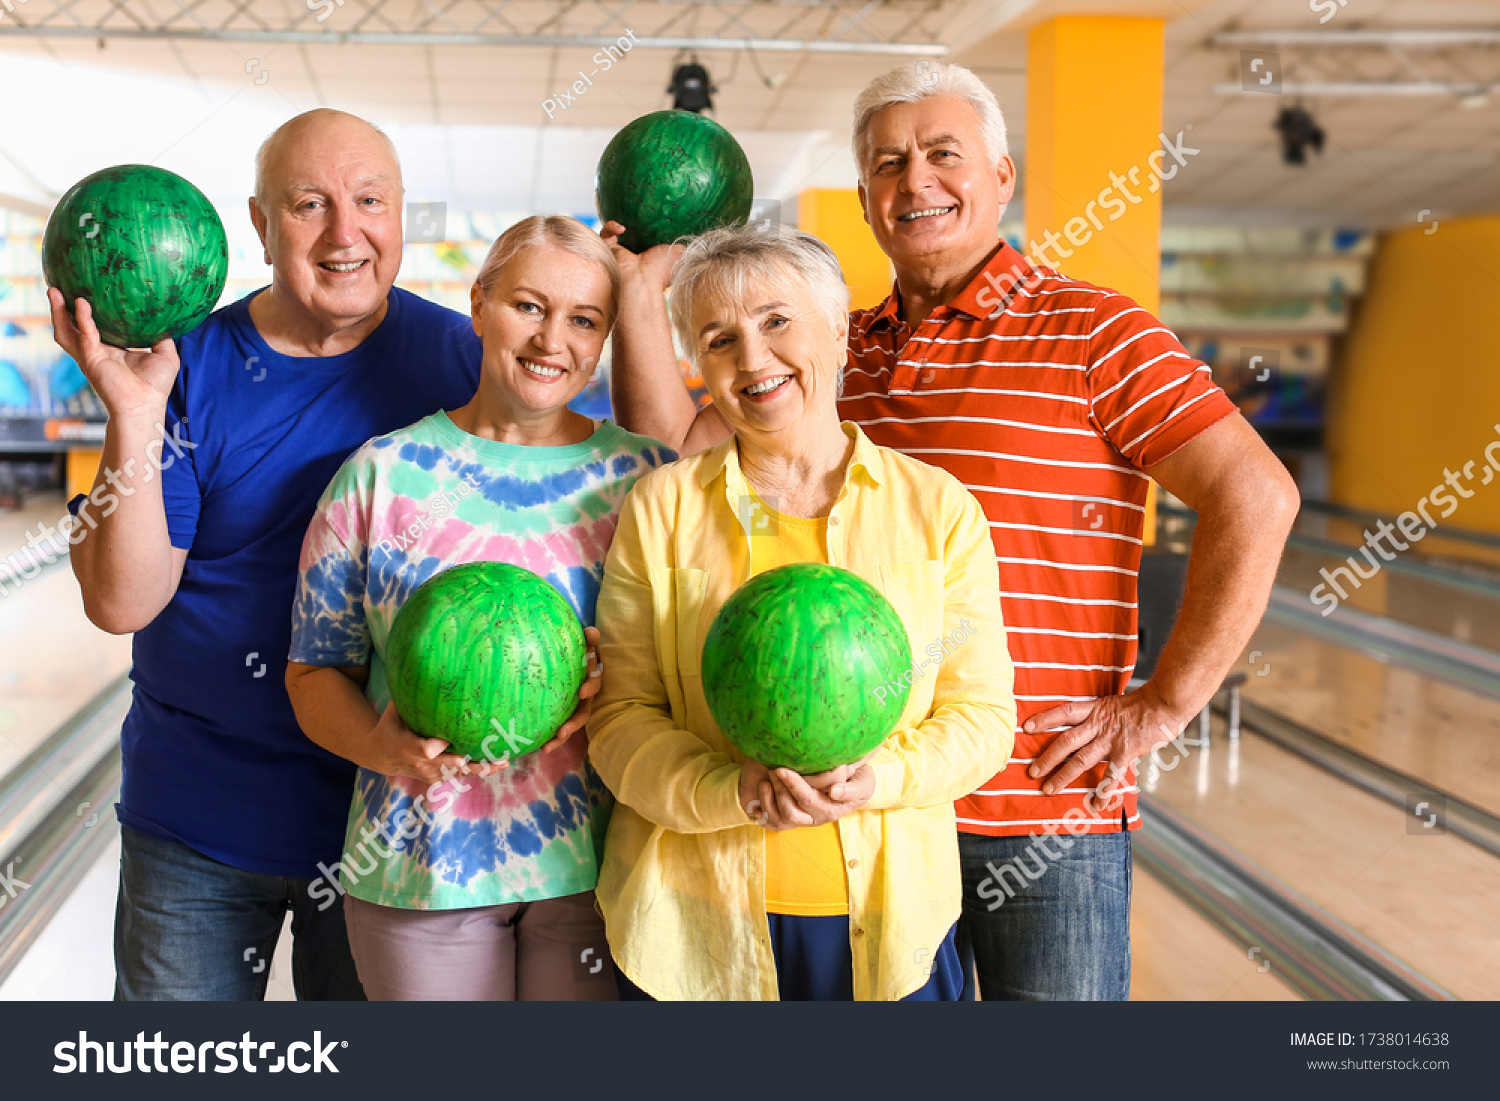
803, 668
672, 174
488, 657
143, 246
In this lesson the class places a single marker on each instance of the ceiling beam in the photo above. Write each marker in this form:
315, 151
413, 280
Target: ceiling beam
24, 206
1410, 37
1362, 88
370, 38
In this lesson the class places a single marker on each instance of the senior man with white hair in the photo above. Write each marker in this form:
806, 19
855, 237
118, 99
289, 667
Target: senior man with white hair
229, 812
1054, 402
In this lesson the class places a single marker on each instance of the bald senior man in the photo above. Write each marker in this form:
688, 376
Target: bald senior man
230, 813
1054, 402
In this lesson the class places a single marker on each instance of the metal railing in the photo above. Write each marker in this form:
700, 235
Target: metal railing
53, 768
1363, 516
56, 817
1314, 953
1433, 655
1476, 575
1484, 583
1457, 816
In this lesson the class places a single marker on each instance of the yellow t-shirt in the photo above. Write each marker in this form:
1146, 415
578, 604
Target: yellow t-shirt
805, 866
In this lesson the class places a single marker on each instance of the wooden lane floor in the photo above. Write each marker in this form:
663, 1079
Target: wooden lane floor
1426, 897
1446, 736
1178, 955
52, 659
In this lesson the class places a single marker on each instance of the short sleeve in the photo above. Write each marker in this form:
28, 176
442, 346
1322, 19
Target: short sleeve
328, 615
179, 476
1148, 395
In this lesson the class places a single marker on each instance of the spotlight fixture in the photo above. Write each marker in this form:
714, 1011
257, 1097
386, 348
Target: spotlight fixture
1298, 131
692, 88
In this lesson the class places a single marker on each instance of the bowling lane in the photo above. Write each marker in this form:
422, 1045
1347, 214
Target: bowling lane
1178, 955
1436, 732
52, 659
1469, 613
1419, 895
1468, 610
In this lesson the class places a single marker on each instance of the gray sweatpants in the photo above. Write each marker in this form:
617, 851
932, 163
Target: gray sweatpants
551, 950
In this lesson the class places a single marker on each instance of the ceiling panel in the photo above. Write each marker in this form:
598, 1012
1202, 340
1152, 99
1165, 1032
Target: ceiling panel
472, 120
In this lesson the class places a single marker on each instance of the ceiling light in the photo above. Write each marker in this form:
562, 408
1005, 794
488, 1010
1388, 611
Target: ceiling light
1298, 131
692, 88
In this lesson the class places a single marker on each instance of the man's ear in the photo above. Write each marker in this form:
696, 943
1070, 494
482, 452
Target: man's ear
261, 223
864, 207
1006, 171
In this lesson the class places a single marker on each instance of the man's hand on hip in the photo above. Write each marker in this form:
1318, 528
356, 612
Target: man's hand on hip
1117, 729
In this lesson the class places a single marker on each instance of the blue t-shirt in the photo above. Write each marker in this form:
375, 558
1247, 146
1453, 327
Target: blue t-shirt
213, 755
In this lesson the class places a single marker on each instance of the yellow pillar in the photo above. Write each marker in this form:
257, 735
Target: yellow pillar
83, 464
1417, 397
834, 216
1093, 119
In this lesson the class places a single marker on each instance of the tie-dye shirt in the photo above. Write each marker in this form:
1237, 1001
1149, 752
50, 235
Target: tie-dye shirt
402, 508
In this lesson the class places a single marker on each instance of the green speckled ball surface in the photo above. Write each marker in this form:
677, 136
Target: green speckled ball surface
143, 246
486, 649
801, 668
673, 174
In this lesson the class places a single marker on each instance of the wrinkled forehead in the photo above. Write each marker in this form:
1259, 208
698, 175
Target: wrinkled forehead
931, 121
565, 277
332, 156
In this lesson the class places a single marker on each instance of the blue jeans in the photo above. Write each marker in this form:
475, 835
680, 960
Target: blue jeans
813, 964
188, 928
1056, 930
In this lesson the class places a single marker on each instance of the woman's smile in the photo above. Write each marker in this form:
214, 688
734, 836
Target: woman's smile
766, 389
542, 370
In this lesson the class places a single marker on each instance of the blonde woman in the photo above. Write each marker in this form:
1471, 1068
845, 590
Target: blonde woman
473, 882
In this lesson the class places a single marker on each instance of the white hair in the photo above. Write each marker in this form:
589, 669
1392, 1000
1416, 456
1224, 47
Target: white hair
727, 261
917, 80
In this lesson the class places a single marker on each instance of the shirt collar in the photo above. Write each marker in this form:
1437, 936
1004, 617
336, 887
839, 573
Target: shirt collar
867, 463
888, 313
1004, 259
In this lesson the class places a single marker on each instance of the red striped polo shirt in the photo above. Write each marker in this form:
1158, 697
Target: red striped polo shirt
1046, 397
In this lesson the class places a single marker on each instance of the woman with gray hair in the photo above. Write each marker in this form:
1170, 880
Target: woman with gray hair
722, 878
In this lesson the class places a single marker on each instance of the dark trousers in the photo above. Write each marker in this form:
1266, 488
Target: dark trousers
813, 964
188, 928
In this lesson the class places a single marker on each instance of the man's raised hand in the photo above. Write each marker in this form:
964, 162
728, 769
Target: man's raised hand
130, 383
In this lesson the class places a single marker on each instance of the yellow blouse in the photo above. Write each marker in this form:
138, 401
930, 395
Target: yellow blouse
683, 882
